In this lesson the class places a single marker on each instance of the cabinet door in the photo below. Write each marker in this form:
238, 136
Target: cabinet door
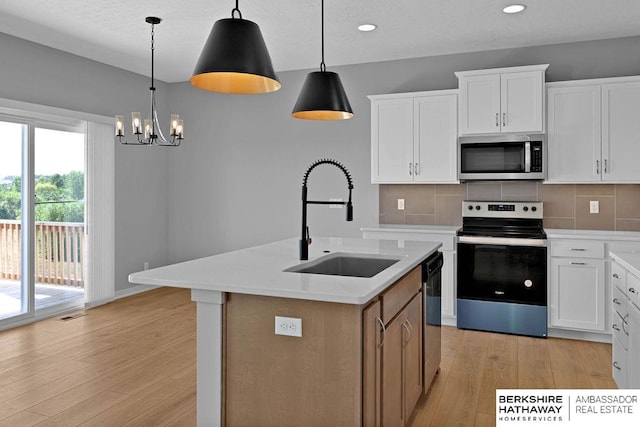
392, 140
479, 104
619, 363
412, 355
577, 294
372, 341
574, 136
436, 138
633, 355
621, 132
521, 97
392, 390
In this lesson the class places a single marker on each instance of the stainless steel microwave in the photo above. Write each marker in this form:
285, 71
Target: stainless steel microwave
504, 157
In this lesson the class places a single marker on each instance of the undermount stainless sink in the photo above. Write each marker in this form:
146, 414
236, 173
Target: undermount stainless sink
346, 264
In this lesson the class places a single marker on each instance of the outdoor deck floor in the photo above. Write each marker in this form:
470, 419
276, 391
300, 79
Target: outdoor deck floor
46, 295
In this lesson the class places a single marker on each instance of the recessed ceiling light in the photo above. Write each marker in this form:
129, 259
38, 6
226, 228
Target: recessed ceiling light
367, 27
514, 8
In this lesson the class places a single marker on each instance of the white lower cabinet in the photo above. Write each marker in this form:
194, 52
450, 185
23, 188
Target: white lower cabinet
577, 291
633, 355
625, 362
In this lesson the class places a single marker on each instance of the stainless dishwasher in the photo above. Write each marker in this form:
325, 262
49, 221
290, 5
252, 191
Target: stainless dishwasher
432, 294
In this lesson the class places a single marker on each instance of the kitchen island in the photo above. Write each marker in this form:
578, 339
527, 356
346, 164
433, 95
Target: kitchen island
232, 292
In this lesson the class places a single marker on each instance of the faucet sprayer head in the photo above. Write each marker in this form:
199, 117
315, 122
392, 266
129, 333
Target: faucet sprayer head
349, 211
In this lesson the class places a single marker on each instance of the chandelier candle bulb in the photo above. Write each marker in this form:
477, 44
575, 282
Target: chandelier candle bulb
136, 125
120, 125
180, 129
174, 125
147, 129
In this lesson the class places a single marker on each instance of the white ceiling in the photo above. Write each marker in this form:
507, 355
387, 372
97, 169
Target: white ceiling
114, 31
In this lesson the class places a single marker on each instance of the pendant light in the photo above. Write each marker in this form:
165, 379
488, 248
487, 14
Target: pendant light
151, 134
235, 59
322, 96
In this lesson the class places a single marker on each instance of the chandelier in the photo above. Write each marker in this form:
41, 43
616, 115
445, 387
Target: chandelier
150, 133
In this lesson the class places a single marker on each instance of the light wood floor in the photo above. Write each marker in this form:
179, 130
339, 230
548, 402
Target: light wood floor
132, 363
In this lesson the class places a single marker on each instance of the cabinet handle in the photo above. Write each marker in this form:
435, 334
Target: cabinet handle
410, 169
577, 263
416, 169
615, 327
616, 301
407, 325
384, 331
497, 119
605, 165
633, 290
615, 276
577, 249
615, 365
597, 167
504, 119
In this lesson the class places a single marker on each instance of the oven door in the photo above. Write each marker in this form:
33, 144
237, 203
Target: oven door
502, 269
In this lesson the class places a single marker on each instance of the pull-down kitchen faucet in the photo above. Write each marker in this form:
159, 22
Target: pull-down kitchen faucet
305, 240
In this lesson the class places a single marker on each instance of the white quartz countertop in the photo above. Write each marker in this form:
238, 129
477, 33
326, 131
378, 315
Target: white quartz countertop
428, 229
259, 270
592, 234
629, 260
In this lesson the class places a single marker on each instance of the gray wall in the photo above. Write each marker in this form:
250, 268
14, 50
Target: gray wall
236, 182
33, 73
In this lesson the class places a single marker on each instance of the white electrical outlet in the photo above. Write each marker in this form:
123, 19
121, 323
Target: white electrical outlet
594, 206
400, 204
290, 326
146, 265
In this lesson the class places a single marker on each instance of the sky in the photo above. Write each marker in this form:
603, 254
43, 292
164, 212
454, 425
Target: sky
55, 151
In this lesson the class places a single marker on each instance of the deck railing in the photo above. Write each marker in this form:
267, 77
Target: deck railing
59, 248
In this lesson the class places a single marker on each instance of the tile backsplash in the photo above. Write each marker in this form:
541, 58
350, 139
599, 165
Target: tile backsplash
565, 205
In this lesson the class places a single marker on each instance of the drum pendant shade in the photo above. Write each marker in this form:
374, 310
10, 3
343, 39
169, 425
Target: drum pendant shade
235, 60
322, 98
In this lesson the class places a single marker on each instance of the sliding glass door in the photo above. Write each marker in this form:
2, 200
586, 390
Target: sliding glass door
42, 218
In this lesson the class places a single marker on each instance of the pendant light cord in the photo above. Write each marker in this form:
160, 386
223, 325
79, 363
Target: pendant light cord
323, 67
236, 9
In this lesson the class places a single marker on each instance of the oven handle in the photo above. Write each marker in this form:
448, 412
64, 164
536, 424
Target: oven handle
505, 241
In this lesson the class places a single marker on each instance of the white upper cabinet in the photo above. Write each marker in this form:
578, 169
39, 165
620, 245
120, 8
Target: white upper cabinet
573, 138
392, 140
501, 100
414, 137
593, 131
621, 132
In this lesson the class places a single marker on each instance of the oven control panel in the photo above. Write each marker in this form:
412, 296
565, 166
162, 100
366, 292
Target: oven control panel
484, 209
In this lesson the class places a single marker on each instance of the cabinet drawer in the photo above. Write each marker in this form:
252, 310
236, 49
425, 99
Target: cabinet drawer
618, 277
619, 303
577, 249
400, 294
620, 330
633, 289
619, 365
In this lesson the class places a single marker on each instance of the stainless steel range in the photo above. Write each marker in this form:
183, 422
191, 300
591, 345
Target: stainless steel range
502, 268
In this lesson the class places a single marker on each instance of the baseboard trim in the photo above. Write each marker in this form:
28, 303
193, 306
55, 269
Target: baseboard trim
123, 293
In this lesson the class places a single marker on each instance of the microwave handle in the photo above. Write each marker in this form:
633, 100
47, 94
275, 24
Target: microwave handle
527, 156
